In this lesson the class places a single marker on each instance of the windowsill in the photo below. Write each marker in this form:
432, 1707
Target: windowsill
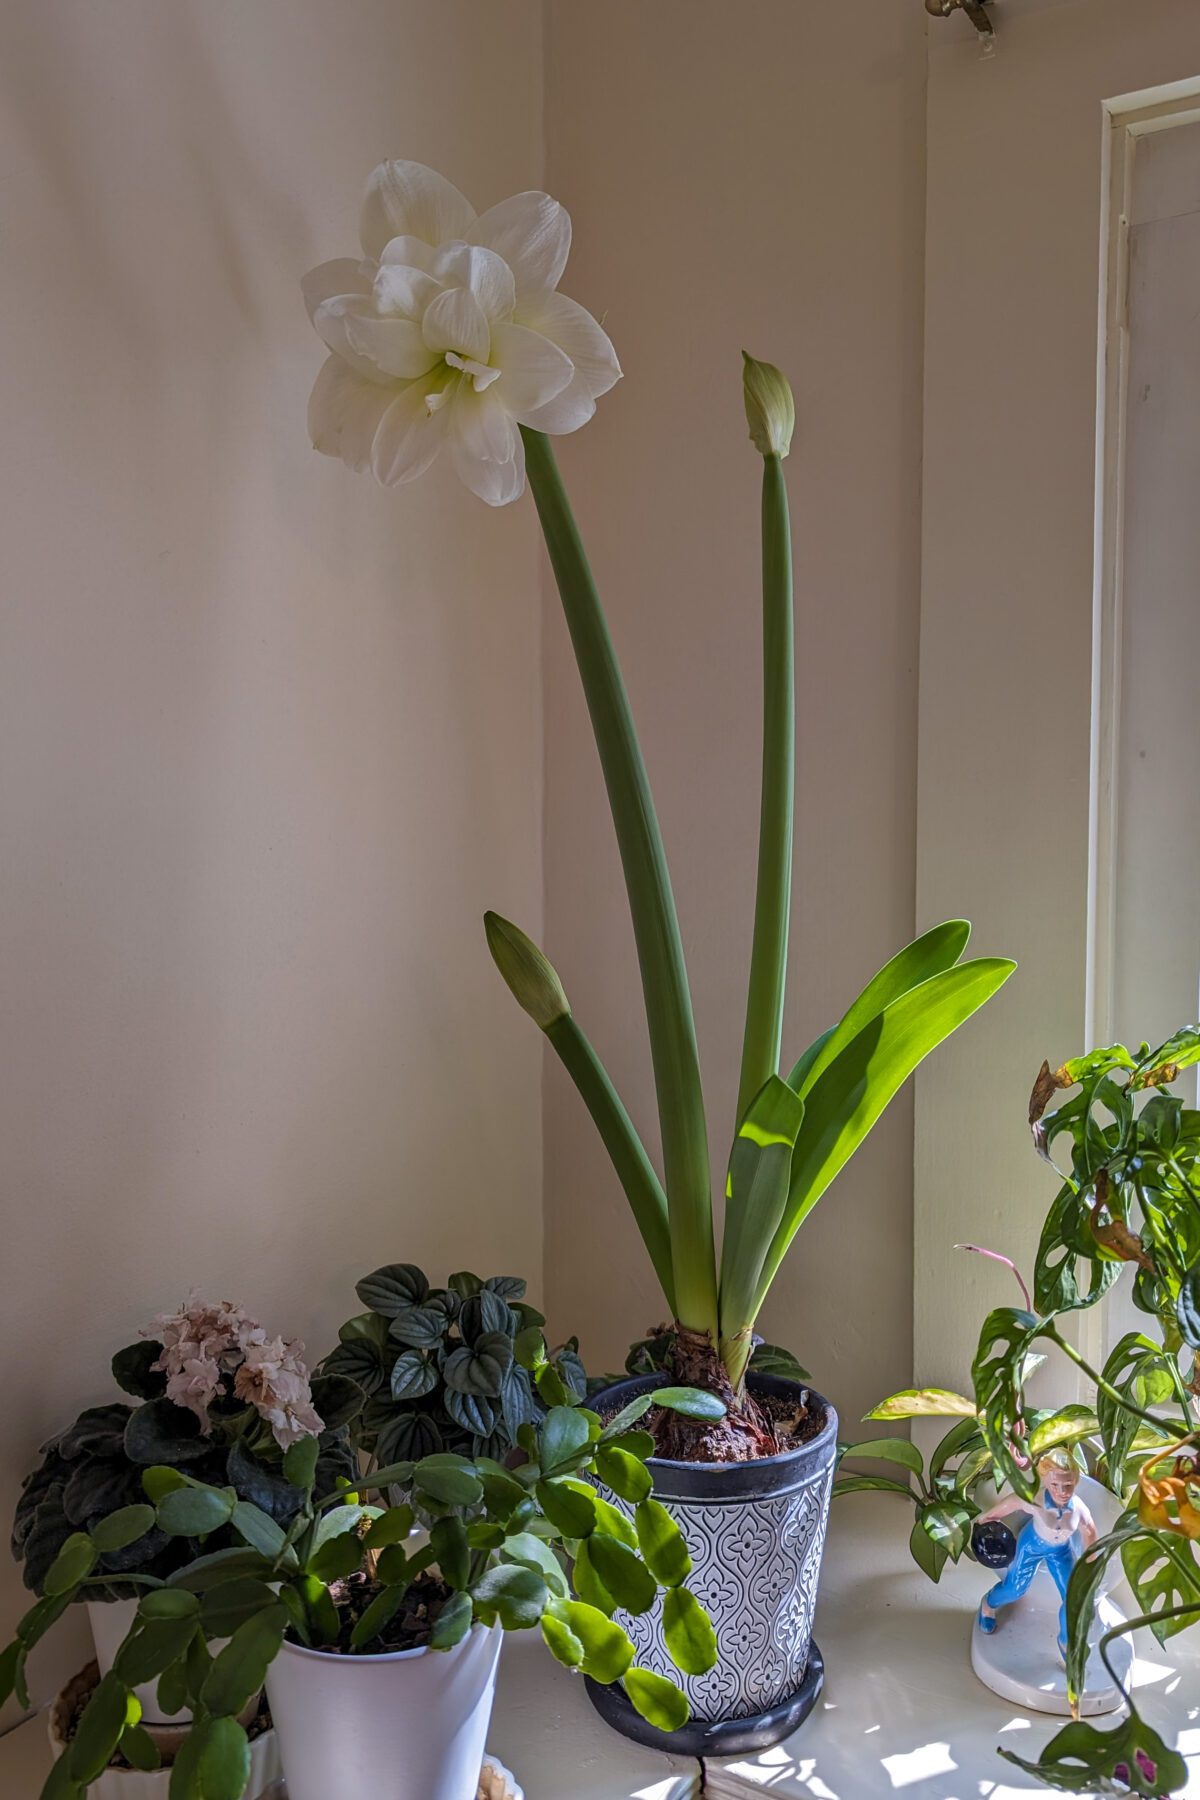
901, 1712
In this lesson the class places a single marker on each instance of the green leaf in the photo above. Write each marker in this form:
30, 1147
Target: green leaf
845, 1100
662, 1544
760, 1166
451, 1551
517, 1595
224, 1765
1138, 1368
561, 1641
923, 1403
1083, 1758
378, 1616
479, 1368
391, 1527
98, 1733
173, 1688
929, 1556
772, 1359
337, 1398
240, 1669
1069, 1425
195, 1511
588, 1585
414, 1374
168, 1603
607, 1651
361, 1360
658, 1700
449, 1479
1007, 1337
688, 1631
221, 1565
155, 1645
300, 1462
501, 1490
1163, 1571
623, 1573
161, 1432
133, 1372
122, 1528
960, 1437
693, 1403
453, 1622
139, 1749
887, 1450
931, 954
160, 1480
564, 1440
1187, 1308
947, 1524
624, 1474
420, 1327
73, 1564
871, 1484
638, 1443
258, 1528
12, 1660
530, 1551
568, 1506
393, 1288
337, 1557
185, 1770
227, 1607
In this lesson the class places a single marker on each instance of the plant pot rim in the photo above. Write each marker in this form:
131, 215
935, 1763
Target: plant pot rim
381, 1656
737, 1480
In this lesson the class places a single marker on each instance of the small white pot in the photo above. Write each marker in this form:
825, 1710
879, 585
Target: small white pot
134, 1784
409, 1724
110, 1621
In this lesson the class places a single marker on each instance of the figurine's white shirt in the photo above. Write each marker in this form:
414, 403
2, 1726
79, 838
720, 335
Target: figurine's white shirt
1055, 1527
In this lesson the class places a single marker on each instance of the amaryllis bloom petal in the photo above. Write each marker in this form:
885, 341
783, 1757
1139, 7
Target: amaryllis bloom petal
407, 198
532, 233
450, 333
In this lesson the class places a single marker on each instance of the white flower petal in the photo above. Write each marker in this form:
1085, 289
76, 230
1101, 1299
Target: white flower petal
455, 321
413, 252
403, 291
395, 346
487, 275
407, 198
574, 330
329, 279
532, 233
330, 321
533, 370
480, 426
566, 412
409, 437
344, 412
498, 483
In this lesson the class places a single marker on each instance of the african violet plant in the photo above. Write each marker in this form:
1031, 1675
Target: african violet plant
505, 1544
219, 1397
1129, 1197
438, 1365
449, 334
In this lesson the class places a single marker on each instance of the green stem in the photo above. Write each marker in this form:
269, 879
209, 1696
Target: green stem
651, 903
626, 1151
1190, 1609
768, 960
1104, 1386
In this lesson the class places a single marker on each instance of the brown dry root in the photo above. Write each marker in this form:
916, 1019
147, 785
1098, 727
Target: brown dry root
745, 1433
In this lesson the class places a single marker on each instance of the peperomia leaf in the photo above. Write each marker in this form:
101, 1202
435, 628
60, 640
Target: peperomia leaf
393, 1288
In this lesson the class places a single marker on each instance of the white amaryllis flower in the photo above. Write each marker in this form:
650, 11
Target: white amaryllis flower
450, 333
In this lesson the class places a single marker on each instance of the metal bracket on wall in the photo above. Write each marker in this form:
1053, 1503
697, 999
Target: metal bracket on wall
976, 11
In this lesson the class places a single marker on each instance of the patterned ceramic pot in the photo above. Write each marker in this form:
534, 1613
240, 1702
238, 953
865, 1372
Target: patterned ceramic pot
756, 1532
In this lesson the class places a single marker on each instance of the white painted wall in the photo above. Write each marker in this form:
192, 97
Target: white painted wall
1013, 265
271, 736
742, 176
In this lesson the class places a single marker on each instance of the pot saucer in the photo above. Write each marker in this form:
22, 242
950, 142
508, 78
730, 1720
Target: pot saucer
495, 1783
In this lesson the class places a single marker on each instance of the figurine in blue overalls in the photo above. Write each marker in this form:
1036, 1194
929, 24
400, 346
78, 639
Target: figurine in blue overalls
1058, 1530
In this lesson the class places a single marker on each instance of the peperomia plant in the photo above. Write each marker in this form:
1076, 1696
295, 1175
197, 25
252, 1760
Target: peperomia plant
1129, 1197
504, 1545
219, 1398
450, 332
438, 1368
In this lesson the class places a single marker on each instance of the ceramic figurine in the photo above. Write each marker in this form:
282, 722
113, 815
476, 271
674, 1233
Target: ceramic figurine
1058, 1529
1020, 1626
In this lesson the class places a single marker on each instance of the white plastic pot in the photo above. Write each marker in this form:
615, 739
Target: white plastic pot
135, 1784
111, 1621
409, 1724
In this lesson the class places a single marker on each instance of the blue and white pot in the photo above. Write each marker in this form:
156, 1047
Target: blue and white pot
756, 1533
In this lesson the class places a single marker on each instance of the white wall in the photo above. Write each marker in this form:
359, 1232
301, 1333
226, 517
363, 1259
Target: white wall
271, 736
742, 176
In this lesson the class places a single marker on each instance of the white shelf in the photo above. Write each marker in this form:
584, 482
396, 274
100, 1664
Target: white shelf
901, 1714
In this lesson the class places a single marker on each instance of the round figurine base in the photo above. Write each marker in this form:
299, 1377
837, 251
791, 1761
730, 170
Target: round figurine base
1020, 1659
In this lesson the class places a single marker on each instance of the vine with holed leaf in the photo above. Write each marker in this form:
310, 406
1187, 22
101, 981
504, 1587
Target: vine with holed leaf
1129, 1199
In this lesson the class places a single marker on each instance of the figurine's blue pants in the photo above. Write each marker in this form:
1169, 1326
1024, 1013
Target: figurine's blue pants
1032, 1550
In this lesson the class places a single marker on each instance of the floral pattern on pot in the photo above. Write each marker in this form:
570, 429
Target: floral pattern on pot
756, 1563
